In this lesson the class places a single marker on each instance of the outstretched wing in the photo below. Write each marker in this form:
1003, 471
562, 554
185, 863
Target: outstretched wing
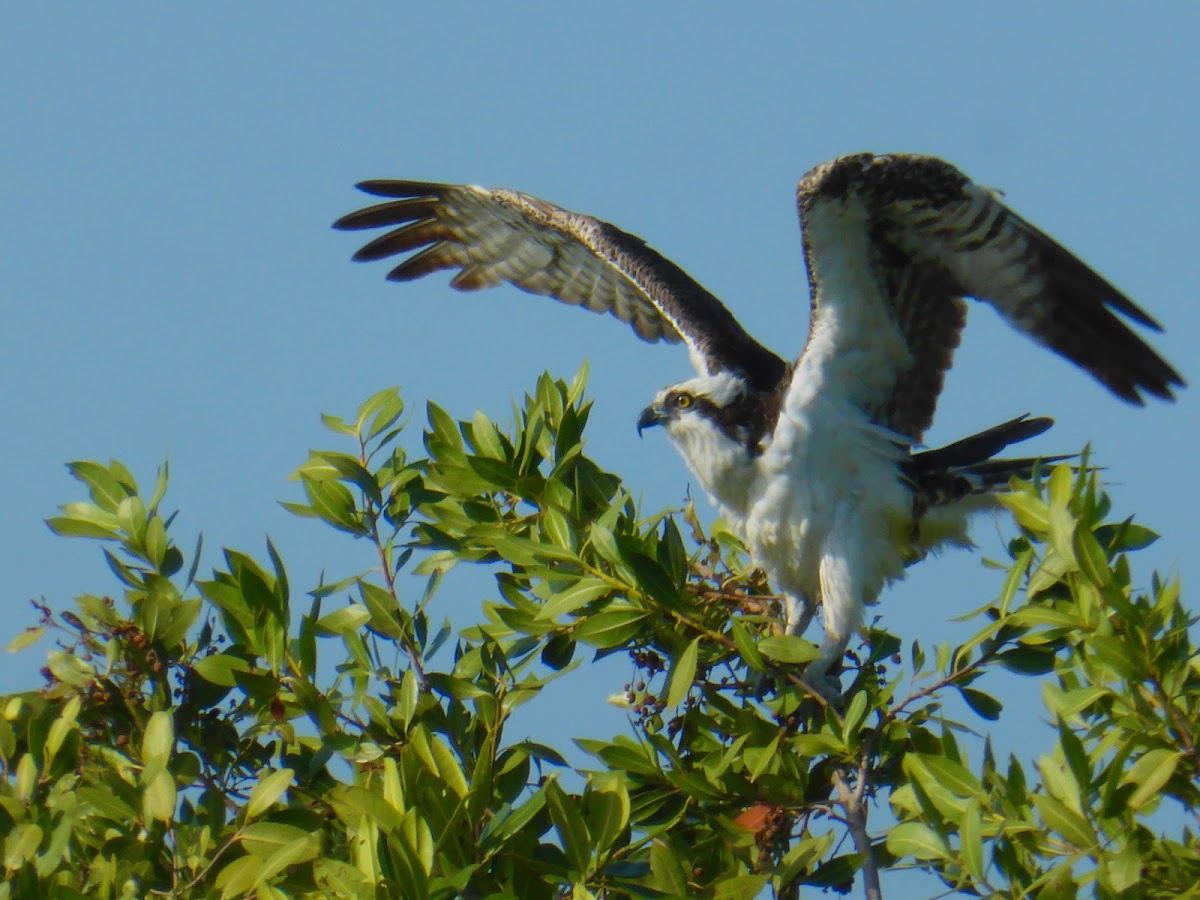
495, 236
921, 237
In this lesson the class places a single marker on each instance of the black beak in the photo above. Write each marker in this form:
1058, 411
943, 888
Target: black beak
651, 416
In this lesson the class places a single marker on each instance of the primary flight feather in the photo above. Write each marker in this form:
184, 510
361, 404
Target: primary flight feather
812, 460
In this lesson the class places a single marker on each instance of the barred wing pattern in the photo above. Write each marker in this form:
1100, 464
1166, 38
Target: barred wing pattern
936, 238
496, 236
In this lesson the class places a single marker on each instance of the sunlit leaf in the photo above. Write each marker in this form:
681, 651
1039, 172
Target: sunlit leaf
1150, 774
788, 648
682, 673
268, 789
918, 840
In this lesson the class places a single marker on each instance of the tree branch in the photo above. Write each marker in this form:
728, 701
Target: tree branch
851, 801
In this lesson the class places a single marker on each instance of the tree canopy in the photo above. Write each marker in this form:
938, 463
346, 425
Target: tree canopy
223, 735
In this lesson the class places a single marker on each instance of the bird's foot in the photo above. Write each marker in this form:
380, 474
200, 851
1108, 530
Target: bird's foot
829, 687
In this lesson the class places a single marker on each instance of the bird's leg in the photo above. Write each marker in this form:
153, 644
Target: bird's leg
817, 676
800, 611
842, 596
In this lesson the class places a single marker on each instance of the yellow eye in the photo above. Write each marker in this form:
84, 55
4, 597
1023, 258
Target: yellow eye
683, 401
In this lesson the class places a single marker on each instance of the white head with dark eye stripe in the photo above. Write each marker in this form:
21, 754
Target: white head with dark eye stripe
714, 423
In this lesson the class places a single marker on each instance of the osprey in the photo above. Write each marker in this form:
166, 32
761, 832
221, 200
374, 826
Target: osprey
814, 461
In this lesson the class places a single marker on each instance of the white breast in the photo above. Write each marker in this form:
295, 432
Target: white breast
826, 462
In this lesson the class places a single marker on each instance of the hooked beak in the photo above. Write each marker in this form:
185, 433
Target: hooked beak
652, 415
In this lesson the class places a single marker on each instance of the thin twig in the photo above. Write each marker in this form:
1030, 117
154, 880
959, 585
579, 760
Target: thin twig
851, 801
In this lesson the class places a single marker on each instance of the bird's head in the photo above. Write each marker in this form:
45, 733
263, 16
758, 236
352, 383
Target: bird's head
713, 421
683, 405
713, 405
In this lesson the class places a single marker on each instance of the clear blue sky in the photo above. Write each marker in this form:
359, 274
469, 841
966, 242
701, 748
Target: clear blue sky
171, 285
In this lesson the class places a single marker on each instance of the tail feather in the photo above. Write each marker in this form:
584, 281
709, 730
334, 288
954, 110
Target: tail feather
967, 466
996, 472
981, 446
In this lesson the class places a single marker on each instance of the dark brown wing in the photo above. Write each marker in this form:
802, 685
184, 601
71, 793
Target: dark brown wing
495, 236
931, 237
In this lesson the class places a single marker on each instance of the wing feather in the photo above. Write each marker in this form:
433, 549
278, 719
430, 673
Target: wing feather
928, 237
496, 236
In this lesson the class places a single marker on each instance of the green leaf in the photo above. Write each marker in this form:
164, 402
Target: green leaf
747, 645
1150, 773
653, 579
682, 674
156, 541
384, 610
408, 696
581, 593
741, 887
382, 409
558, 652
347, 620
667, 869
607, 804
510, 820
610, 628
348, 469
1073, 827
1125, 869
158, 797
917, 840
486, 438
762, 759
238, 877
1116, 652
219, 668
570, 825
1091, 557
855, 714
1128, 535
557, 528
21, 845
1059, 485
984, 705
158, 742
1031, 513
332, 502
298, 851
267, 791
439, 759
336, 424
85, 520
26, 638
105, 488
443, 427
262, 839
788, 648
970, 836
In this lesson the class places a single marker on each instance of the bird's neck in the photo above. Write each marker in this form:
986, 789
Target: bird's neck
724, 468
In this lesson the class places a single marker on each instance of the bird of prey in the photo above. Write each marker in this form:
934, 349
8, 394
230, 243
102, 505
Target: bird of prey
816, 461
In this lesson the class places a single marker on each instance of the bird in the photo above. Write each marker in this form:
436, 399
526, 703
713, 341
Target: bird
817, 461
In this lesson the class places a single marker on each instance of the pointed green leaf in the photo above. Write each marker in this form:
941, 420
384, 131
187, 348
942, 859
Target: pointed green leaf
268, 789
158, 742
917, 840
1068, 823
682, 674
579, 594
26, 638
1150, 773
788, 648
219, 668
970, 836
572, 830
158, 798
607, 805
347, 620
